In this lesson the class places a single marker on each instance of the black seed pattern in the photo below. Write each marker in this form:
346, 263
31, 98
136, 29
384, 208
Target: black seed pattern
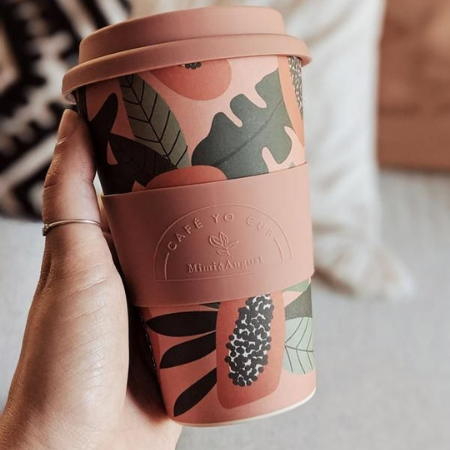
249, 344
193, 66
295, 67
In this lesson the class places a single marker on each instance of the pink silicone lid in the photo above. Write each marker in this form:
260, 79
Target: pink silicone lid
181, 37
181, 25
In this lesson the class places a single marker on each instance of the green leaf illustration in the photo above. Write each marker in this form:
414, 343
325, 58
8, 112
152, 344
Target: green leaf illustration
299, 287
136, 161
298, 347
237, 150
153, 123
300, 307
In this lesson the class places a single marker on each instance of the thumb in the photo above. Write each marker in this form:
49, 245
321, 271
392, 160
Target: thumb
69, 193
72, 373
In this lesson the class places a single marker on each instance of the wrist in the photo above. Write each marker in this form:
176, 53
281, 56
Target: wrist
18, 434
27, 431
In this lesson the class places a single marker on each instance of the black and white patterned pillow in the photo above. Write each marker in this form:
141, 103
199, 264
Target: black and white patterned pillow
38, 43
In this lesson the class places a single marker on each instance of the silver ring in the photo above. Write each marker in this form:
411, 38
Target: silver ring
48, 226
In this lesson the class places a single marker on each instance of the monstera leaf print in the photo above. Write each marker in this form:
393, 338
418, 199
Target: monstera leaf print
298, 347
237, 150
153, 123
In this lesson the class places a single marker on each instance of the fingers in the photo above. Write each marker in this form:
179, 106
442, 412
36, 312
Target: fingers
69, 193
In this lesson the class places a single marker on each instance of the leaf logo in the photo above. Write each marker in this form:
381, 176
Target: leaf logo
222, 243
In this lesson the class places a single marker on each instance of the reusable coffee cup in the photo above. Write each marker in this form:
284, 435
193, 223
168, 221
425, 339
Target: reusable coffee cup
196, 120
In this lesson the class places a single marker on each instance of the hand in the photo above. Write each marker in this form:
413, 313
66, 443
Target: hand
73, 388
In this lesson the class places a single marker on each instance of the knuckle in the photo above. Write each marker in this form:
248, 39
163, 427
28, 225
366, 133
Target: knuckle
81, 273
53, 176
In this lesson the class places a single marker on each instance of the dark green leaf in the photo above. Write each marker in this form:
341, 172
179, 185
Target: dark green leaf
112, 179
152, 121
299, 287
137, 161
189, 323
300, 307
193, 394
237, 150
189, 351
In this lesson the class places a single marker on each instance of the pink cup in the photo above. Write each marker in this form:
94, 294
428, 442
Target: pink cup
196, 117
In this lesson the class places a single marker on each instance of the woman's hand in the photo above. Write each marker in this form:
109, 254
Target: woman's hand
73, 388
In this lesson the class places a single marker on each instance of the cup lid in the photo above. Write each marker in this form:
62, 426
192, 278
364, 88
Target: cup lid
181, 37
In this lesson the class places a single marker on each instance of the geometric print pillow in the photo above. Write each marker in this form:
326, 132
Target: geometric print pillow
39, 42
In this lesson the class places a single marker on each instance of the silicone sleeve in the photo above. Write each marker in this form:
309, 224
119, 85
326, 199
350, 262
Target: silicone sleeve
215, 241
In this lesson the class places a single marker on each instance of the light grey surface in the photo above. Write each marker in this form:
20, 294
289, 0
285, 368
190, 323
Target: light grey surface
21, 247
383, 368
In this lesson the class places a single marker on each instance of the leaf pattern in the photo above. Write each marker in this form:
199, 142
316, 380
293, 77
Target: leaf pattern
189, 351
136, 161
299, 287
300, 307
153, 123
298, 347
194, 393
237, 150
188, 323
112, 177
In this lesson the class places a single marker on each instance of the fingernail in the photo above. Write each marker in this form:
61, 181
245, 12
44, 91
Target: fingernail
68, 124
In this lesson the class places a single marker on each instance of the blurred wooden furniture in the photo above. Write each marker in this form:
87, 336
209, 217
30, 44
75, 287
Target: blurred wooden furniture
414, 121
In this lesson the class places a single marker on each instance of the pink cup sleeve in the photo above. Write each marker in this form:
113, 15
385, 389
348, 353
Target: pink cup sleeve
215, 241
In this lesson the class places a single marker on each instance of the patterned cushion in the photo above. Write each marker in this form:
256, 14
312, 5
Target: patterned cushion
38, 44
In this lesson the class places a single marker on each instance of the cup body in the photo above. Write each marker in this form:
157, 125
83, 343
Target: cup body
204, 121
